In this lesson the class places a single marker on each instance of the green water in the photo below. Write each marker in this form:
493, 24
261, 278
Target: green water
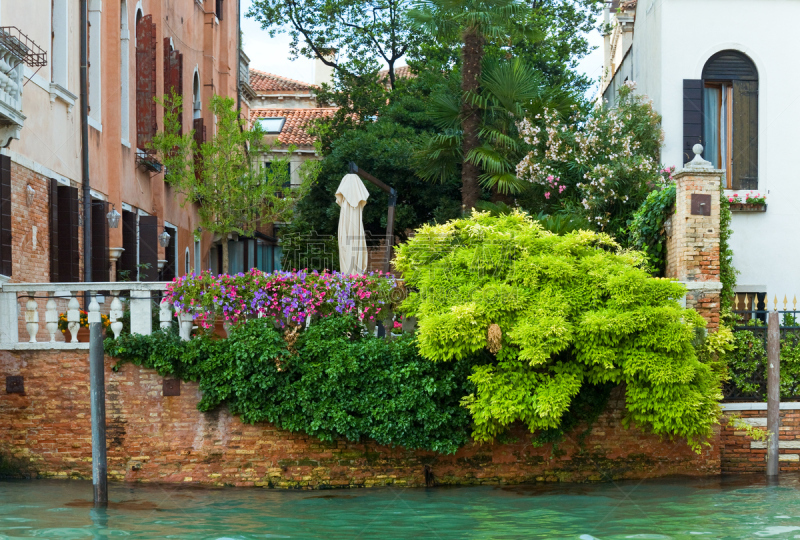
732, 507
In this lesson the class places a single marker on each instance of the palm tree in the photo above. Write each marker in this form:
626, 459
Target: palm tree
509, 91
472, 22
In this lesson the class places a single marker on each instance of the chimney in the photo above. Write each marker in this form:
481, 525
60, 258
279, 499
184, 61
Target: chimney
322, 72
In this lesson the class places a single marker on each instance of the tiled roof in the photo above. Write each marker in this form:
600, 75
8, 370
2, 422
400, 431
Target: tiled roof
402, 72
268, 82
294, 131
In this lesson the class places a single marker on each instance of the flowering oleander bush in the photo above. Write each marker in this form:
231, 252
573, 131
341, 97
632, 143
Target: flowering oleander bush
601, 166
288, 297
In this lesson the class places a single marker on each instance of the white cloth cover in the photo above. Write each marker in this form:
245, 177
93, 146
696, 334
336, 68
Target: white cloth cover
352, 195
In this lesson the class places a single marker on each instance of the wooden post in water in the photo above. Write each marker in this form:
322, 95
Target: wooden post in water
773, 391
98, 403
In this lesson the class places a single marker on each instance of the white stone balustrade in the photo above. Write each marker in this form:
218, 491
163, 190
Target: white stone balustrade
12, 295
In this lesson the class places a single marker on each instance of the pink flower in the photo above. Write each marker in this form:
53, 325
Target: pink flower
547, 195
730, 199
735, 194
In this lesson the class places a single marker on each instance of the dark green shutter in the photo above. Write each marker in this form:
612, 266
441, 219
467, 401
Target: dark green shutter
127, 261
100, 262
52, 198
148, 248
5, 216
69, 251
745, 135
692, 116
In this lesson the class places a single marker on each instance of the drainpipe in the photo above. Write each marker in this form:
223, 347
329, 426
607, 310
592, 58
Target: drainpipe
87, 197
238, 54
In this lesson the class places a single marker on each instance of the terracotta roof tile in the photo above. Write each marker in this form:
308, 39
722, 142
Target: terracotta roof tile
267, 82
293, 131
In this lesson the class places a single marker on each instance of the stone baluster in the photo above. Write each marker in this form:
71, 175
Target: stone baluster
165, 314
141, 313
9, 317
51, 319
74, 318
227, 325
186, 322
32, 316
94, 311
114, 315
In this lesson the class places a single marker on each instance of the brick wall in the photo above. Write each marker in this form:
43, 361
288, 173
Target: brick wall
152, 438
742, 454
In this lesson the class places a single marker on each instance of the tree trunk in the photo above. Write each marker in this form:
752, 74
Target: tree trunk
225, 265
472, 54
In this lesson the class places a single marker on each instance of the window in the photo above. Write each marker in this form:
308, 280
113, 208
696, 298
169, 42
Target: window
170, 270
124, 61
59, 42
219, 10
272, 126
198, 263
5, 216
145, 81
95, 46
186, 267
126, 267
197, 107
721, 113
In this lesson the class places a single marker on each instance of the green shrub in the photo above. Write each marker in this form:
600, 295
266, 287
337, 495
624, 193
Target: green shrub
572, 310
747, 364
336, 384
647, 229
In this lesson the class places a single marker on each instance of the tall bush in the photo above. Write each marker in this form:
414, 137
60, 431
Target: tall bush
558, 313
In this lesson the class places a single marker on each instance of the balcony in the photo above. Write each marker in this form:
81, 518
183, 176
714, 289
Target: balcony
23, 304
16, 50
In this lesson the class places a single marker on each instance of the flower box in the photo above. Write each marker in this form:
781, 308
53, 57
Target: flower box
748, 207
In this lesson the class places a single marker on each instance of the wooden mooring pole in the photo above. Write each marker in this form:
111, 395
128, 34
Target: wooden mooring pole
773, 392
97, 389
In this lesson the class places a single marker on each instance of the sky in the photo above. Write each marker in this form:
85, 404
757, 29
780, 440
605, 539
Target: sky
272, 54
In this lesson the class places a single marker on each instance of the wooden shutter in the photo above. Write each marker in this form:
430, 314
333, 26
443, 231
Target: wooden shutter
692, 116
745, 135
69, 252
5, 216
148, 248
173, 75
100, 262
220, 7
127, 261
199, 139
145, 81
52, 198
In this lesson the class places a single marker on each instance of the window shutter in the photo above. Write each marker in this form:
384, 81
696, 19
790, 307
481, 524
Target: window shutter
692, 116
199, 139
173, 76
100, 262
745, 135
127, 261
5, 216
145, 81
220, 6
53, 219
68, 234
148, 248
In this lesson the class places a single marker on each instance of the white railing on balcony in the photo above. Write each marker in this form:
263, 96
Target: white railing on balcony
21, 304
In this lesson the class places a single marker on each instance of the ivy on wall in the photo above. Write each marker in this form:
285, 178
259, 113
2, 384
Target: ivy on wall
329, 381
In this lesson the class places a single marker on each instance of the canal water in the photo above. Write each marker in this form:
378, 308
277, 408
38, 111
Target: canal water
677, 508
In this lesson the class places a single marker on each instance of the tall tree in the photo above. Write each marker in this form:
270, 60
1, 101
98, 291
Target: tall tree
224, 176
363, 33
475, 22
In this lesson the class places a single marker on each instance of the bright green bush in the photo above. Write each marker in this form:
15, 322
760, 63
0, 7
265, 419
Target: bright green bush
573, 310
646, 232
747, 364
333, 383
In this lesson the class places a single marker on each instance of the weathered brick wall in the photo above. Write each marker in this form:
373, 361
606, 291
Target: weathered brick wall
693, 241
741, 454
153, 438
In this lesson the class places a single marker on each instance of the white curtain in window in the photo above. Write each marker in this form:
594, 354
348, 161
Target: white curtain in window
711, 137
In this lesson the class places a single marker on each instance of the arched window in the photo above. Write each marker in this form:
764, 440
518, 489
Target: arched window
125, 66
730, 117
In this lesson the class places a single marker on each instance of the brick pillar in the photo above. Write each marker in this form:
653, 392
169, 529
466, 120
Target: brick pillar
693, 236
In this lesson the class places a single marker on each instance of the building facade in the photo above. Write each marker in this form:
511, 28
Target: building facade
137, 50
717, 73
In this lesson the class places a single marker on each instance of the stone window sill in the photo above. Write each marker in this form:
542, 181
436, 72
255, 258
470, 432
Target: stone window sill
95, 124
59, 92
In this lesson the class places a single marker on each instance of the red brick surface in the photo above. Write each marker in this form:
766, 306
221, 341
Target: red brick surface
152, 438
741, 454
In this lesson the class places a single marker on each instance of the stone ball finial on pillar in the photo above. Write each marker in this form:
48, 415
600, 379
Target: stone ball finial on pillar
698, 162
